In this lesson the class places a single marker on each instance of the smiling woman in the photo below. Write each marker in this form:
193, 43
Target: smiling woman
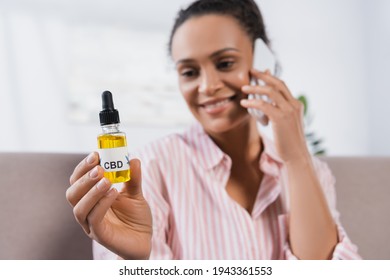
211, 75
221, 190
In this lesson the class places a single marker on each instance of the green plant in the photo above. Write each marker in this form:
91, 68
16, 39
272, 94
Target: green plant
314, 143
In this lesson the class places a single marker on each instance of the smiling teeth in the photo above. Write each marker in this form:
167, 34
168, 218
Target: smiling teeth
218, 104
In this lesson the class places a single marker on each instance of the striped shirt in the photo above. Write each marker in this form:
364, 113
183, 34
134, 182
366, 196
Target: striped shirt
184, 181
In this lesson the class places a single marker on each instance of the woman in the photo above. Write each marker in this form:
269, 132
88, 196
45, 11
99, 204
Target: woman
220, 190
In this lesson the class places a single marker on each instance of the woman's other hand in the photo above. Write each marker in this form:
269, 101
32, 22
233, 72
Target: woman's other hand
284, 111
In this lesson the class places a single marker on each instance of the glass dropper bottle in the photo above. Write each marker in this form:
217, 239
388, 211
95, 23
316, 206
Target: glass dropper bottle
112, 144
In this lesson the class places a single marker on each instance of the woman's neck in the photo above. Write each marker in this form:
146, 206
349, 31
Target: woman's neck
242, 143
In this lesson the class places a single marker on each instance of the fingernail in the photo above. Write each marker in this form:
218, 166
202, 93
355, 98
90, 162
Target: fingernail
102, 184
112, 192
246, 88
94, 173
91, 158
244, 102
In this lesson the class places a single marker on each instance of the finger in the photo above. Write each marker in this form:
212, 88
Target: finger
76, 191
134, 187
276, 97
269, 110
273, 81
95, 217
88, 201
84, 166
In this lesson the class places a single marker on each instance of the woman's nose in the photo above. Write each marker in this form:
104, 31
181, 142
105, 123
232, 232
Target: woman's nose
210, 82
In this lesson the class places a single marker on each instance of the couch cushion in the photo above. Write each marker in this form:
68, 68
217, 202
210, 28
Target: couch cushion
36, 220
363, 192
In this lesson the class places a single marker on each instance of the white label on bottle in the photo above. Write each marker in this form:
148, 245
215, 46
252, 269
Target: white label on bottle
114, 159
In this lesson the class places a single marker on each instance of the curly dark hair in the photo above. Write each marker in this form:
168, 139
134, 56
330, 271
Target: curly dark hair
246, 12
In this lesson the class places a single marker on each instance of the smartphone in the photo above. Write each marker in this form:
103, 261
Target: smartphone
263, 59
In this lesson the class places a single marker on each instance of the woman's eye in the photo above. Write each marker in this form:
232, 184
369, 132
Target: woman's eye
225, 65
188, 73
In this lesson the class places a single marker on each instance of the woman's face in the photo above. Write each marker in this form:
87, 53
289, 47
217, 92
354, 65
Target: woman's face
213, 56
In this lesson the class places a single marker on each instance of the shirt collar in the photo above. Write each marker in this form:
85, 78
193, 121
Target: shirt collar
209, 155
270, 149
270, 161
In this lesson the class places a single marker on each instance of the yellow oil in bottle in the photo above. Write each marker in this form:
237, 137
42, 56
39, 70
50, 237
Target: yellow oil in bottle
110, 141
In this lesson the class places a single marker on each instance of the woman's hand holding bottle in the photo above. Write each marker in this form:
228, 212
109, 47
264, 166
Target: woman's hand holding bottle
120, 221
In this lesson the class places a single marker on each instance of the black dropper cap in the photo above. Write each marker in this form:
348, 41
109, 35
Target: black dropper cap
108, 115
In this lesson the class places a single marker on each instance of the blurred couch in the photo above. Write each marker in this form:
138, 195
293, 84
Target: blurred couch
36, 221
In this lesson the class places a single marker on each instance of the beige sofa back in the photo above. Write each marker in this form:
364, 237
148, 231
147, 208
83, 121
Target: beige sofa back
363, 200
37, 222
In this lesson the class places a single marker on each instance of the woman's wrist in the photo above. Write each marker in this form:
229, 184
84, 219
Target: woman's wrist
303, 159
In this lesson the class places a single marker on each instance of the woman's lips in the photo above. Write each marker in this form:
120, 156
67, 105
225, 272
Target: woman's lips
217, 106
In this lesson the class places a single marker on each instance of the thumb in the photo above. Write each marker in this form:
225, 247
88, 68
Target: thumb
134, 186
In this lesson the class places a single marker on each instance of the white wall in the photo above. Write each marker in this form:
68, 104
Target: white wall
378, 74
320, 45
333, 51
